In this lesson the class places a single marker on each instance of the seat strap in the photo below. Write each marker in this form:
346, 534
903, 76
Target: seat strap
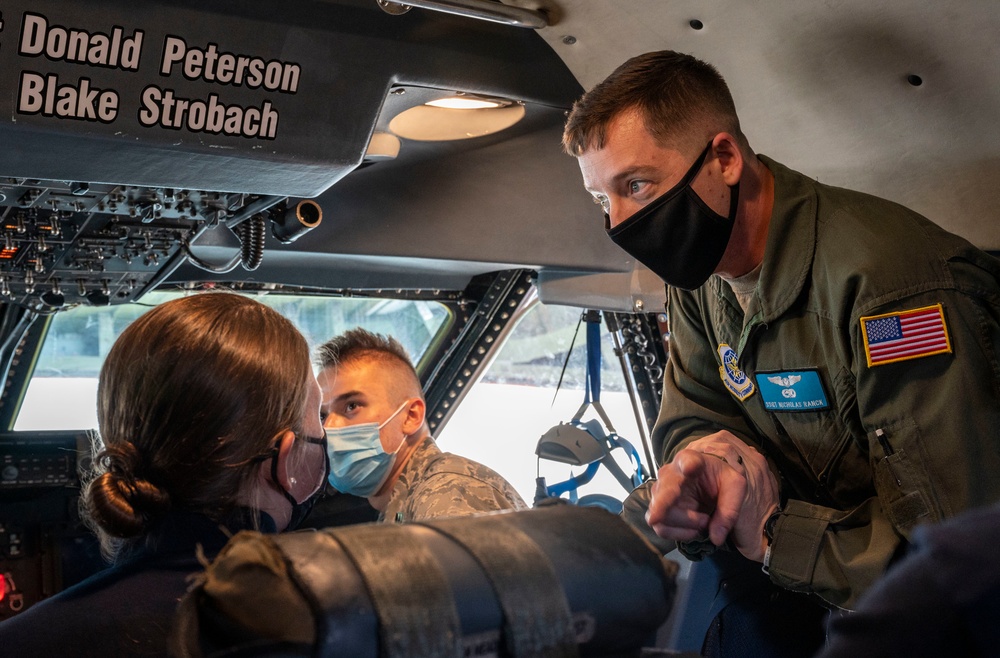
409, 591
537, 618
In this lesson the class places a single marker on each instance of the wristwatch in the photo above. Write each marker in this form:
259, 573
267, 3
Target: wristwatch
770, 523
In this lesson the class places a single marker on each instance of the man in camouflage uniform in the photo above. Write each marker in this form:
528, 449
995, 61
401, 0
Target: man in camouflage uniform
368, 379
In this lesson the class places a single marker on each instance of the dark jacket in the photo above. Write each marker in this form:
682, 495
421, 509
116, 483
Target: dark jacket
943, 599
128, 609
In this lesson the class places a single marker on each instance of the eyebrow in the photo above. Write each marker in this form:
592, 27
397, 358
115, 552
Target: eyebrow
625, 174
345, 396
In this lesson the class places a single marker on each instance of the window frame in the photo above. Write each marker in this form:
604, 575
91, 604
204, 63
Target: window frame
31, 344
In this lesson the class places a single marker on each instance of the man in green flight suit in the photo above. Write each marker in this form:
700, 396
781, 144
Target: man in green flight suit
833, 378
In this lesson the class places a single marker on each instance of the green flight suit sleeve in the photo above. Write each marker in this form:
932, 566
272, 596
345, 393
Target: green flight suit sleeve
932, 429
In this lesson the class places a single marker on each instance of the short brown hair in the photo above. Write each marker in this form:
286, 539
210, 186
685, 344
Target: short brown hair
191, 395
678, 95
359, 343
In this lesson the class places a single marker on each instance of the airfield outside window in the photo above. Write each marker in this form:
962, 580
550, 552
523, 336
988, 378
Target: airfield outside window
78, 340
519, 398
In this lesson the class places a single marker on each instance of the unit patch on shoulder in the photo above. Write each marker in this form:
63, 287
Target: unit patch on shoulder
737, 381
905, 335
793, 390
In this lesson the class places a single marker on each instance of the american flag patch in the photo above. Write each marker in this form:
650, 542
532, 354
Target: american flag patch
905, 335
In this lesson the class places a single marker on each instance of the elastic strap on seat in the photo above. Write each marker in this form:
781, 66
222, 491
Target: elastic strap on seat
537, 618
409, 591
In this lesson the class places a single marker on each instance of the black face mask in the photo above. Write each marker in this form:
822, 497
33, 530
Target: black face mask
301, 510
677, 235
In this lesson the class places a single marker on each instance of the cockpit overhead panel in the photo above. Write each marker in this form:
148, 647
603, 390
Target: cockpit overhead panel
68, 243
258, 97
130, 128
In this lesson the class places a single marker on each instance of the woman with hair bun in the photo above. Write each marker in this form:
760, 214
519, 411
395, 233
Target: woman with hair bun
208, 413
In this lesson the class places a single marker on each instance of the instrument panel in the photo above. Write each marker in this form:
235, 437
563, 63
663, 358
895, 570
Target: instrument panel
64, 243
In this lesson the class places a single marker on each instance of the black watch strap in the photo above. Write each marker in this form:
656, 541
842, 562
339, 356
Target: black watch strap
770, 523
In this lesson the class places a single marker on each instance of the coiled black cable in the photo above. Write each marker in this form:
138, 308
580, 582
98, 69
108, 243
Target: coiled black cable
252, 233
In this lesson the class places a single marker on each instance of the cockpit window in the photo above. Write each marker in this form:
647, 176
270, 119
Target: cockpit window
520, 397
62, 392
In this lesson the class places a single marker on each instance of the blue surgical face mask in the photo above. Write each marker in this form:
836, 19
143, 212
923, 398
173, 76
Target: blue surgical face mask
358, 463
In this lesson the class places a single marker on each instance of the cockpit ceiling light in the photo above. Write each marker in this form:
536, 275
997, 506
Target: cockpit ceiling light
383, 146
430, 124
466, 103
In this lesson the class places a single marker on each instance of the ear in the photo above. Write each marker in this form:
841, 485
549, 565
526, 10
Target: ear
727, 151
414, 417
285, 444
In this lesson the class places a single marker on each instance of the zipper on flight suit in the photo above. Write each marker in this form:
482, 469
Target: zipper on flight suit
824, 475
822, 493
745, 336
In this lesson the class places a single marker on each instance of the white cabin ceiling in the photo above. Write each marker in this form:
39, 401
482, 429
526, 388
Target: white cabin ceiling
823, 87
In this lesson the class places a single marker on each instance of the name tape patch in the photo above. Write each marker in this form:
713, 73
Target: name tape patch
793, 390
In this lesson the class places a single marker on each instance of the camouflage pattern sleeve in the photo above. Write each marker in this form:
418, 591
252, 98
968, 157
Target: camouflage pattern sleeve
436, 484
456, 494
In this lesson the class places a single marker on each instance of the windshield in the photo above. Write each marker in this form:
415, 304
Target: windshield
78, 340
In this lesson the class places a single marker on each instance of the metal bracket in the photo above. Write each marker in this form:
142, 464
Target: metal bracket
639, 347
470, 353
495, 12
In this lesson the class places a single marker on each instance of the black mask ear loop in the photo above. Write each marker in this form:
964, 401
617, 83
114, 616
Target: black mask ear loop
273, 456
321, 441
274, 478
301, 510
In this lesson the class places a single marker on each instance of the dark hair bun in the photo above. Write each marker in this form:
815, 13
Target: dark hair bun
119, 502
